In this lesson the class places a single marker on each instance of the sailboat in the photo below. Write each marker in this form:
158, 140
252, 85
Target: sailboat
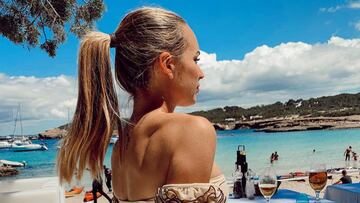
4, 162
29, 147
21, 145
5, 144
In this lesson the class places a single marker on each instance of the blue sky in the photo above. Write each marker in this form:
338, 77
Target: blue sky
253, 52
228, 28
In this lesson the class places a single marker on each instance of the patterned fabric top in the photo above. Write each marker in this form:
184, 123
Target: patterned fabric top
215, 192
194, 193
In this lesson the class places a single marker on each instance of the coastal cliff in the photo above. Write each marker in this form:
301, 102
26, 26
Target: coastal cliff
8, 171
55, 133
287, 124
328, 112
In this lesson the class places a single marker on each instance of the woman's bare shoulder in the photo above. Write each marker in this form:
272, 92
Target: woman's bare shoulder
187, 128
184, 118
191, 141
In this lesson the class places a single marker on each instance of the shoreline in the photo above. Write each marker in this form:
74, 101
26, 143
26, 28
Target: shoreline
293, 123
269, 125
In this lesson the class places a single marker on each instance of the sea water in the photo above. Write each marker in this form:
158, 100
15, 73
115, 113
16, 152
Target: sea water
295, 151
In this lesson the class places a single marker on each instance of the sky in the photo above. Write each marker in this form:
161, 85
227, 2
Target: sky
253, 52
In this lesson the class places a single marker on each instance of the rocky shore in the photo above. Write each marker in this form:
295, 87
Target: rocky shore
55, 133
294, 123
282, 124
8, 171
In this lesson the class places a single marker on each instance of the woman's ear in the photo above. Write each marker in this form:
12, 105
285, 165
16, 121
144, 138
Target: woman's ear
166, 64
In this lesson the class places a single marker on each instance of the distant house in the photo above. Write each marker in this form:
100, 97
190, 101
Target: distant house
230, 119
243, 118
256, 117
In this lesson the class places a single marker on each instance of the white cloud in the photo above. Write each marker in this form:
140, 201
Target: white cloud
331, 9
267, 74
354, 5
289, 70
40, 98
350, 5
340, 42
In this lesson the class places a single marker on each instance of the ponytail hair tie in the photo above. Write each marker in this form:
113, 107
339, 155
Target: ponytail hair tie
112, 40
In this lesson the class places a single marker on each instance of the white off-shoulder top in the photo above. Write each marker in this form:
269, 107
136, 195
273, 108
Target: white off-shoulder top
216, 191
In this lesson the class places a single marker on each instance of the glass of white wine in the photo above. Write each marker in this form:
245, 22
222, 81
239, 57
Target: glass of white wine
317, 178
268, 183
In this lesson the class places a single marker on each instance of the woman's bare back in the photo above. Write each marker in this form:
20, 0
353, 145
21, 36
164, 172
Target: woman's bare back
149, 158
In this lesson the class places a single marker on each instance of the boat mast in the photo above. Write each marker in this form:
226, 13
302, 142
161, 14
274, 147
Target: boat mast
21, 127
15, 121
68, 121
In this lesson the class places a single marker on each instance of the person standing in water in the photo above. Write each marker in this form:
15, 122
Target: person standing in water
107, 174
276, 156
347, 153
97, 187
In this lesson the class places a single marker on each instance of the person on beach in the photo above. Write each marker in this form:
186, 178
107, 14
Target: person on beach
347, 153
97, 187
354, 156
158, 151
276, 156
107, 174
272, 158
345, 179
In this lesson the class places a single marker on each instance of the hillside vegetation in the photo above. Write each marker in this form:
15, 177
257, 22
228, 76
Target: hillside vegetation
329, 106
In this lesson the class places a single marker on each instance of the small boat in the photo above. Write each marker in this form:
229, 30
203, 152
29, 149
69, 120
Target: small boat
339, 170
4, 144
29, 147
21, 141
293, 176
74, 191
89, 196
4, 162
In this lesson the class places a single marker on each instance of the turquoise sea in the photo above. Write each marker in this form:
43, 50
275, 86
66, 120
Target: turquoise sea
294, 149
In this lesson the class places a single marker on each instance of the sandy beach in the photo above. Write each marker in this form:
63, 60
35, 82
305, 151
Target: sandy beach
80, 197
304, 186
298, 186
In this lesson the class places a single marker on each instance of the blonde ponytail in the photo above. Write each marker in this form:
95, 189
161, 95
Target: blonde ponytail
96, 112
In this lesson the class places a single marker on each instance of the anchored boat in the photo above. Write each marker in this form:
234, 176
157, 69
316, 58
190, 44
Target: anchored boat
4, 162
29, 147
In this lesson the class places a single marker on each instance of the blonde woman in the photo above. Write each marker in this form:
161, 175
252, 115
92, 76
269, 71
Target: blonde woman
160, 155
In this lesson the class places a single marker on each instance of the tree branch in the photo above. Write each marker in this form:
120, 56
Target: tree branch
43, 28
34, 20
54, 10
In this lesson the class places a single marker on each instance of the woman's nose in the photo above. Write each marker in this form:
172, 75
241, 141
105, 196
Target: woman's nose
201, 74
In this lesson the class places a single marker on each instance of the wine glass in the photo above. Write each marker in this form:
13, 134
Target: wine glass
317, 178
268, 183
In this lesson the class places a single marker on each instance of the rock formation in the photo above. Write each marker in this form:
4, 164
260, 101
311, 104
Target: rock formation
53, 133
8, 171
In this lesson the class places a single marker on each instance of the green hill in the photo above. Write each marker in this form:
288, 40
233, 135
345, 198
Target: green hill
330, 106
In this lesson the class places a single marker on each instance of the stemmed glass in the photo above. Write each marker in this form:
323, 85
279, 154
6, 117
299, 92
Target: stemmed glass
317, 178
268, 183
